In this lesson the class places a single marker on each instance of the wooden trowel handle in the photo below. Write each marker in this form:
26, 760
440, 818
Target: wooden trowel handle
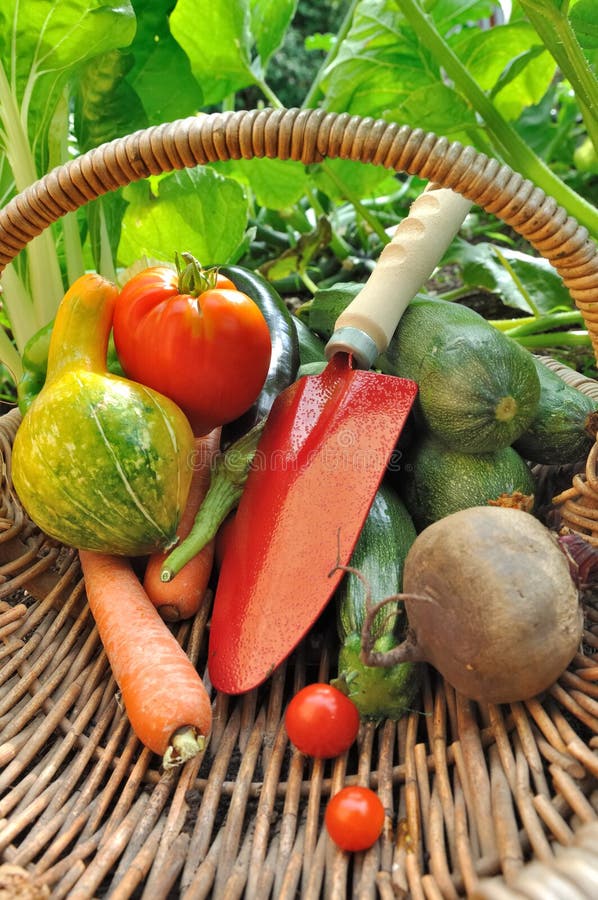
366, 326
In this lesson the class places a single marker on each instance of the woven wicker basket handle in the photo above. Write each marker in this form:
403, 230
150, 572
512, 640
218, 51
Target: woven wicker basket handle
310, 135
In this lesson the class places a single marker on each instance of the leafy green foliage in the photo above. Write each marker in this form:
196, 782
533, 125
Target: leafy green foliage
196, 209
523, 282
77, 73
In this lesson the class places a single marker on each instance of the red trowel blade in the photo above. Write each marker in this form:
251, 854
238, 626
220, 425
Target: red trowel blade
320, 460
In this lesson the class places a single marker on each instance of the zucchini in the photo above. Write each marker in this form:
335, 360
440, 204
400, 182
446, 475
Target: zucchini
379, 555
478, 389
564, 427
435, 481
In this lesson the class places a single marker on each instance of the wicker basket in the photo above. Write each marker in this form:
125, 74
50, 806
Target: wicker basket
482, 801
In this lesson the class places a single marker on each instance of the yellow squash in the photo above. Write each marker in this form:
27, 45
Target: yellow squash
100, 462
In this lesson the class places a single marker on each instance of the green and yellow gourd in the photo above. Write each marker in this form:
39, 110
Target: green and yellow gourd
100, 462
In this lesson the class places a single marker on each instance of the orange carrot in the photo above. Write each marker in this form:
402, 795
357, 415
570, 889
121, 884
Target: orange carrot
181, 597
166, 701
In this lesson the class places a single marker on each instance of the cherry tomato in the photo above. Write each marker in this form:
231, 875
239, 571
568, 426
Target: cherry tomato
192, 336
354, 818
321, 721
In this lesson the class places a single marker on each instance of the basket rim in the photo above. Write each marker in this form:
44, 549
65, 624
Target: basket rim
309, 136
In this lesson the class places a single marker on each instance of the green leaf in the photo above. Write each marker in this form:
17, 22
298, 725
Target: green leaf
382, 70
161, 74
508, 62
104, 218
439, 108
275, 183
270, 20
320, 41
106, 106
584, 19
449, 14
195, 210
297, 259
352, 179
514, 68
376, 65
521, 281
216, 36
54, 39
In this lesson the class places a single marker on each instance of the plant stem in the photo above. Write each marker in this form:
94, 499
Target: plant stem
17, 147
311, 286
315, 91
506, 325
555, 339
268, 93
505, 262
552, 24
44, 271
546, 323
10, 356
227, 482
106, 262
339, 246
507, 142
18, 307
361, 210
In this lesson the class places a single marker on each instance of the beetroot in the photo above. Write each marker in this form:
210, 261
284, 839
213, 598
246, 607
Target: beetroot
491, 604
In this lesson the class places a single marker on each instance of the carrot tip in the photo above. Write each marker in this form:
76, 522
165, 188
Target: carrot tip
184, 745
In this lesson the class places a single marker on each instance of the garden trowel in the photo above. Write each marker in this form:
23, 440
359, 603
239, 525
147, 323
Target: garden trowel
322, 455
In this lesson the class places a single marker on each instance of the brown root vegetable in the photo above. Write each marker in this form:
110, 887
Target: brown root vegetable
491, 605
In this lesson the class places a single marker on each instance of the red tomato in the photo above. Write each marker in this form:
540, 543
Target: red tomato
321, 721
195, 338
354, 818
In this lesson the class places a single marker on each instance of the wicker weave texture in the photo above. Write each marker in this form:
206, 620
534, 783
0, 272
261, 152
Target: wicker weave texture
472, 792
482, 801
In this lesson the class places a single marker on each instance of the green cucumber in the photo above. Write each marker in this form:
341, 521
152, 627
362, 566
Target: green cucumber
379, 555
564, 427
436, 481
478, 389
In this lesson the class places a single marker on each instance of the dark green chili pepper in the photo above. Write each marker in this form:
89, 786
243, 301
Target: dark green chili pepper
284, 360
